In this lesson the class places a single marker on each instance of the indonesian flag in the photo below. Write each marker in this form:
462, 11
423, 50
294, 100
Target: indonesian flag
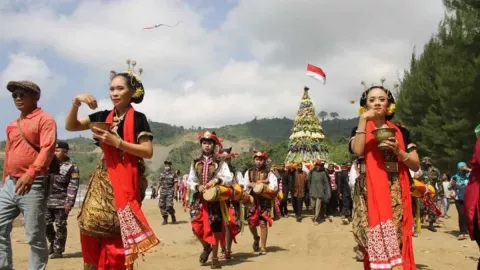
316, 73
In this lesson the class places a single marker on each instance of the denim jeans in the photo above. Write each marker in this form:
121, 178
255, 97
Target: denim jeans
446, 206
33, 206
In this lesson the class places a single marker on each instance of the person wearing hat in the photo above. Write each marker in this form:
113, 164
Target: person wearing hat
260, 214
299, 191
118, 184
30, 148
233, 227
208, 171
319, 187
61, 199
459, 183
167, 186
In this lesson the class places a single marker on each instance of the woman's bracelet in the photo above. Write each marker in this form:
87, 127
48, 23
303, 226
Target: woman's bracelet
360, 132
119, 143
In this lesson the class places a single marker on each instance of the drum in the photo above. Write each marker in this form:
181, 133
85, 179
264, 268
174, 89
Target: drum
218, 193
264, 191
237, 192
419, 189
246, 199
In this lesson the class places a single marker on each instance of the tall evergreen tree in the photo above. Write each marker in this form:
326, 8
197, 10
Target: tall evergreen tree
439, 96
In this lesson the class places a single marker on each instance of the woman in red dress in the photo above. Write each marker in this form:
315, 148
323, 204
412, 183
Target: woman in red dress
382, 190
113, 228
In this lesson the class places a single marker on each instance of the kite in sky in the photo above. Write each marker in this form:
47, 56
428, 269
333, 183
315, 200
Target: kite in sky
158, 25
316, 73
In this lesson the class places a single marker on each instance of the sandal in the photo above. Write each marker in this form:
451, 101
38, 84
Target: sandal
263, 251
205, 253
228, 255
256, 244
461, 237
215, 264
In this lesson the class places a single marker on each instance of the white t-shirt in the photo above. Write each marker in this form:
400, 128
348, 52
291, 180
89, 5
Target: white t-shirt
446, 191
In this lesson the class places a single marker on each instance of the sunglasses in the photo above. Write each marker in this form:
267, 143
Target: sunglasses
20, 95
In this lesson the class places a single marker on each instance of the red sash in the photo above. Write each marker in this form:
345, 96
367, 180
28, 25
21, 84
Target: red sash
383, 247
137, 236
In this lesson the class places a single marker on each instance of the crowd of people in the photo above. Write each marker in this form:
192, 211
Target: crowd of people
373, 194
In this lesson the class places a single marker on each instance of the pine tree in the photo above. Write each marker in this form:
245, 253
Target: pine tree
307, 141
438, 99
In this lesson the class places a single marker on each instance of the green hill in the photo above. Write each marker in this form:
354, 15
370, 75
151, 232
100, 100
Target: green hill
258, 134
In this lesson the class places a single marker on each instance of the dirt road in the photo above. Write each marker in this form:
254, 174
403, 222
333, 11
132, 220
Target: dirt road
291, 245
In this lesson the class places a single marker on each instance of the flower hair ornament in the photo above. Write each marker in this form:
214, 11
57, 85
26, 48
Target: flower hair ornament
366, 88
135, 80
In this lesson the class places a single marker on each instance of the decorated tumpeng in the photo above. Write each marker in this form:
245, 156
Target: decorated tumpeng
307, 141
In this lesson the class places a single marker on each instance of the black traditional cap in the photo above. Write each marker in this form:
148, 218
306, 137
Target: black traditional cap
62, 145
167, 162
25, 85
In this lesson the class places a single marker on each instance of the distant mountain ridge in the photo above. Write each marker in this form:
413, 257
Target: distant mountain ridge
178, 144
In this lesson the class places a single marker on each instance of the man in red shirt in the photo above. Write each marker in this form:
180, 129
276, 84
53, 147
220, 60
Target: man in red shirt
30, 147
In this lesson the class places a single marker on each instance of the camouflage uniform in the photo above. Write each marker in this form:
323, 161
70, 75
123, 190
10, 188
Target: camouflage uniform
63, 191
167, 193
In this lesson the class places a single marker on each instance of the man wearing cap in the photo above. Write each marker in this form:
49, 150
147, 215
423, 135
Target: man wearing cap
298, 192
63, 192
30, 148
319, 187
167, 186
432, 177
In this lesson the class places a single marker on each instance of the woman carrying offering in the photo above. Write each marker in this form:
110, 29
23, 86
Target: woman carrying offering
382, 212
113, 227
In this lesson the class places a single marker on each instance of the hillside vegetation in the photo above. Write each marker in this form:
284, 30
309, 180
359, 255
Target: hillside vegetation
269, 135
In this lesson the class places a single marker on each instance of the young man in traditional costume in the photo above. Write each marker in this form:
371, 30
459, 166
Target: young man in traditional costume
207, 218
233, 225
261, 212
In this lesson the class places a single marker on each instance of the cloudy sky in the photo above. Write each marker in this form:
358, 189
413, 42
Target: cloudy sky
226, 62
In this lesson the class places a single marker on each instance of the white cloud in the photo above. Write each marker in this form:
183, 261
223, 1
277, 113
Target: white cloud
191, 74
24, 67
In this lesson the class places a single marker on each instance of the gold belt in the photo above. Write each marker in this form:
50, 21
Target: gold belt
390, 166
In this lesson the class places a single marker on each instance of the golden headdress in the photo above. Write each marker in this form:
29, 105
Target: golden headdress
366, 88
135, 80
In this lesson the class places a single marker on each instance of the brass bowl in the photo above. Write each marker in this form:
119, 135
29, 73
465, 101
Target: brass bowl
100, 125
383, 134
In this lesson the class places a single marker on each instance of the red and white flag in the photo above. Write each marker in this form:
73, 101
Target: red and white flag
316, 73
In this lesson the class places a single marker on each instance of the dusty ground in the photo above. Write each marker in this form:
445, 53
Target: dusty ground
327, 246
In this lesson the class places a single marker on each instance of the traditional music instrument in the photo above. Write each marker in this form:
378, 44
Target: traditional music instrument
218, 193
239, 195
264, 191
382, 135
419, 189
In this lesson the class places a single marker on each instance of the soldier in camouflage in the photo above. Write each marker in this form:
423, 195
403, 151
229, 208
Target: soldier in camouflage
61, 199
432, 177
167, 186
